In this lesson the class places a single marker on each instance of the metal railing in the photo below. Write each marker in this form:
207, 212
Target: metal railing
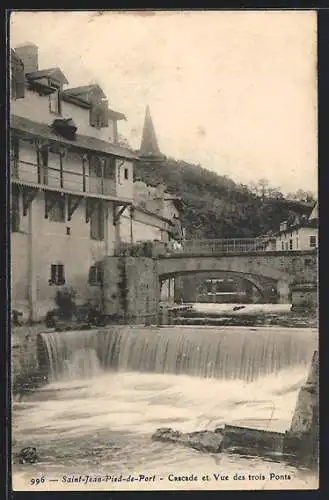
224, 246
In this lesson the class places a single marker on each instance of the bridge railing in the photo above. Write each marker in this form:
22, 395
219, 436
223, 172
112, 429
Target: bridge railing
224, 246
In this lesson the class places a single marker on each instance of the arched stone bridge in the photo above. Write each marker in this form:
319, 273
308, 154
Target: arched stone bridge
285, 268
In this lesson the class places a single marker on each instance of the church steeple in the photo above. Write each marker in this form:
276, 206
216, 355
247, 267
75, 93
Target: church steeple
149, 145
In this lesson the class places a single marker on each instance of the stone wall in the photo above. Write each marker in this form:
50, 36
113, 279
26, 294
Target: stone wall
25, 370
304, 297
131, 289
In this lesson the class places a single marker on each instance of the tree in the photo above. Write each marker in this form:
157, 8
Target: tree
123, 141
302, 195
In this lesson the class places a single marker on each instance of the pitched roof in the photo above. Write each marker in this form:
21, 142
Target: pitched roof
79, 101
315, 212
55, 73
85, 142
116, 115
85, 89
306, 223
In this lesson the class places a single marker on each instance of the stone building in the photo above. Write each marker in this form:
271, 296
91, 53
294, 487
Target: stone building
72, 200
299, 234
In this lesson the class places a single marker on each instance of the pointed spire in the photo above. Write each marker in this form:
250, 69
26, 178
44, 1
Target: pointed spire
149, 145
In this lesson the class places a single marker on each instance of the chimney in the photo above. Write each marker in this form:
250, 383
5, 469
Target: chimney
28, 53
284, 225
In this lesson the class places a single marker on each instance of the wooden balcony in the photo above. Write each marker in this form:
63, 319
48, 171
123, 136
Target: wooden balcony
66, 180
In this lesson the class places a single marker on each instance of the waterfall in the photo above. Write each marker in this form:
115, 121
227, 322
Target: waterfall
84, 363
197, 351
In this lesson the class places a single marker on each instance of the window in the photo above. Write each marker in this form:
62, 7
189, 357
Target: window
56, 274
55, 102
95, 275
282, 245
126, 173
95, 167
97, 223
312, 241
290, 244
15, 213
297, 242
109, 168
56, 212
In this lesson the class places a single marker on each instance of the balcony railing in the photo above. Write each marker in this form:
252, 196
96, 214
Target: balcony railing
68, 179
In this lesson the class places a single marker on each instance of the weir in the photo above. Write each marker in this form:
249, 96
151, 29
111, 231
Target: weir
207, 352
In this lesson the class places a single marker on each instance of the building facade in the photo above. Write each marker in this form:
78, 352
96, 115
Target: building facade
73, 198
70, 181
302, 234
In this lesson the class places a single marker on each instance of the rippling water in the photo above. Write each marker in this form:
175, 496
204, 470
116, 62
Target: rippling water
102, 424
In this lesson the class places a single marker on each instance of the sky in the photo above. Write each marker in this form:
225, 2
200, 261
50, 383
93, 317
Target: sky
232, 91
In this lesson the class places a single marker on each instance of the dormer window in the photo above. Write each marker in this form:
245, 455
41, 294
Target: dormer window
55, 102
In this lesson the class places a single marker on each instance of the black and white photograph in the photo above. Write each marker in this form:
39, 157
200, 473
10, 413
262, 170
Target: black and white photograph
164, 250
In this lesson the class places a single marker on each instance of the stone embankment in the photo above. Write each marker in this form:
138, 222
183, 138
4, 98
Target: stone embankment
286, 320
25, 370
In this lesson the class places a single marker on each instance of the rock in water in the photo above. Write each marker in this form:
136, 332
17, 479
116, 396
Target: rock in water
27, 455
208, 441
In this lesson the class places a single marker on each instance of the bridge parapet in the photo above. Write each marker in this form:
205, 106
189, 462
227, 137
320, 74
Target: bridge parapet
225, 246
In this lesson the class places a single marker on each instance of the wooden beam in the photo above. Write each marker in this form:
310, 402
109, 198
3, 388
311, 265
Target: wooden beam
28, 196
117, 212
72, 203
50, 200
91, 204
61, 156
84, 161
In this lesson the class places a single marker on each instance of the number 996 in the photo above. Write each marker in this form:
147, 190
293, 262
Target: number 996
37, 480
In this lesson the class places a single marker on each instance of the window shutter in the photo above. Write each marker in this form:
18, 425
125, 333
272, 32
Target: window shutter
99, 115
53, 273
19, 80
61, 278
109, 168
104, 114
99, 275
93, 116
92, 275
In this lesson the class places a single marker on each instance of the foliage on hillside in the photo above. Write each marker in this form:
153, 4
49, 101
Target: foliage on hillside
217, 207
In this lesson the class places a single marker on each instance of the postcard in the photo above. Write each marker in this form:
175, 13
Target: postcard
164, 250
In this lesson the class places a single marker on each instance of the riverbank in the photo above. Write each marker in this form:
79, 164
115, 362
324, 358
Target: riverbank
248, 315
284, 320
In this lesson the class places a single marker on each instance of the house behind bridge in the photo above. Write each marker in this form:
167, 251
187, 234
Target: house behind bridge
298, 234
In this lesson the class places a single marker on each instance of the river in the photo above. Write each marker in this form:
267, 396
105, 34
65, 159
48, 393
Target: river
98, 413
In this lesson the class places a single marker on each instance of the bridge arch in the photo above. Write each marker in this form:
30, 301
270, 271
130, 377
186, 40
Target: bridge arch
284, 268
264, 289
